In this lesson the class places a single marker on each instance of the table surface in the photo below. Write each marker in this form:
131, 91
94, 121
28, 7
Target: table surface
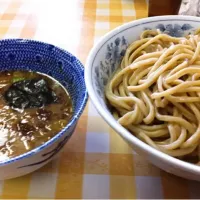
96, 162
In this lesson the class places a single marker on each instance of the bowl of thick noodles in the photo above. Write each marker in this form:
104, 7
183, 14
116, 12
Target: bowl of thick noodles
42, 95
144, 79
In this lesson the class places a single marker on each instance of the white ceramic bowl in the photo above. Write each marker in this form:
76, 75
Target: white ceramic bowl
105, 57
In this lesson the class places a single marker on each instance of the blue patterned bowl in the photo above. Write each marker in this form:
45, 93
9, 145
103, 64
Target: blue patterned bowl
105, 58
19, 54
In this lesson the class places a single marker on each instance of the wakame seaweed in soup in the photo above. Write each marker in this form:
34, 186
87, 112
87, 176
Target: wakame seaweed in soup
33, 108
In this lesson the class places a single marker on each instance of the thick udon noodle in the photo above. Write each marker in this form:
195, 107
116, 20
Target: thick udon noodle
155, 93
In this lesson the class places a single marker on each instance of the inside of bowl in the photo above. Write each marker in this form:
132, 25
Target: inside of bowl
47, 59
112, 48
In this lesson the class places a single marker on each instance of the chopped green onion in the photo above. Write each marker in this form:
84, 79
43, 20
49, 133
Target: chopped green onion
55, 85
16, 79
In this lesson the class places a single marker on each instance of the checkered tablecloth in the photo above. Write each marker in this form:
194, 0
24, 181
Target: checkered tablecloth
96, 163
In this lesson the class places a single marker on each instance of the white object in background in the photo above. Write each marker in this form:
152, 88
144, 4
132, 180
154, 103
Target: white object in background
190, 7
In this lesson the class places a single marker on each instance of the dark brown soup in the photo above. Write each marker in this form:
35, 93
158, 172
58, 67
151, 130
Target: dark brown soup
33, 108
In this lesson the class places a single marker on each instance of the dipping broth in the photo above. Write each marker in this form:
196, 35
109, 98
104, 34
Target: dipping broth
33, 109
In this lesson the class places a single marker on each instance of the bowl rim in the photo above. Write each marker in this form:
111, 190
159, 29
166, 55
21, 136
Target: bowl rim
74, 118
176, 163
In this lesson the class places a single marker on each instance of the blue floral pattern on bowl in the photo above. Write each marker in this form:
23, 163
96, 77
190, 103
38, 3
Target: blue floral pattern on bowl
174, 30
116, 50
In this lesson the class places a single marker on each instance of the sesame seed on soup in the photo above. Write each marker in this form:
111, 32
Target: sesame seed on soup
33, 108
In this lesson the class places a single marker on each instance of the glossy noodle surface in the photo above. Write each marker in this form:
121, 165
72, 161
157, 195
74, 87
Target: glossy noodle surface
155, 93
33, 109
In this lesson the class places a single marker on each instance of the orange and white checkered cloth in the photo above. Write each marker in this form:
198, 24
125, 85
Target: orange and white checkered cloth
96, 163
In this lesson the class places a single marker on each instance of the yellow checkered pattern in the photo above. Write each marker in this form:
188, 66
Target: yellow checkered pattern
96, 163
